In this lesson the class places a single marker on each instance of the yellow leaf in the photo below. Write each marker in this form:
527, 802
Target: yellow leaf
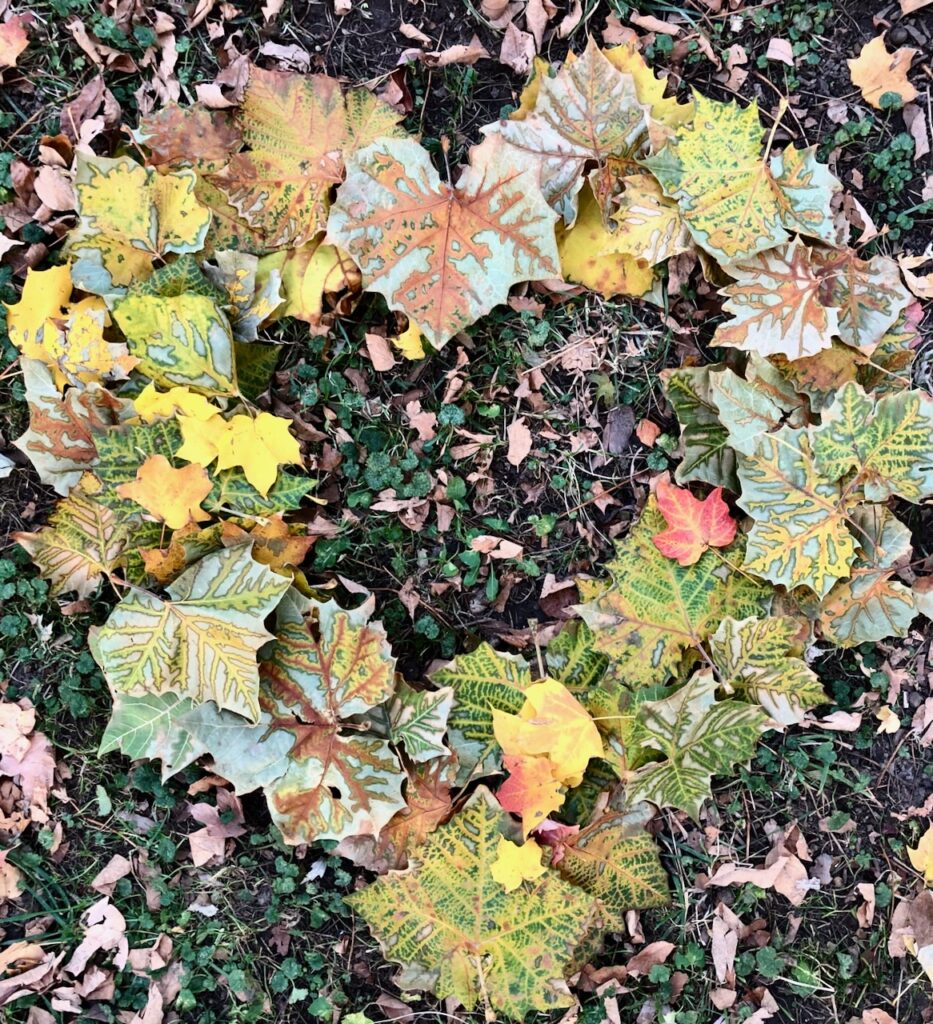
201, 438
260, 446
529, 96
409, 342
876, 71
554, 723
171, 495
515, 864
666, 112
45, 293
308, 274
922, 856
152, 404
584, 259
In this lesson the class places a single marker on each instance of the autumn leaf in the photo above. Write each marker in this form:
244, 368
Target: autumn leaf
693, 526
648, 226
13, 40
152, 404
516, 863
746, 409
514, 956
921, 856
533, 789
151, 727
443, 256
708, 456
276, 545
418, 720
876, 72
308, 274
172, 495
201, 642
737, 204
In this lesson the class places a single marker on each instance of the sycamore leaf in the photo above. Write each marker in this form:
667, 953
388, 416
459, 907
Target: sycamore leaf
553, 723
61, 439
418, 720
176, 134
693, 526
172, 495
129, 217
253, 298
483, 681
871, 605
443, 256
151, 727
188, 545
573, 660
876, 71
44, 296
886, 443
308, 274
735, 203
746, 409
587, 113
888, 369
615, 860
777, 305
586, 255
800, 535
698, 738
516, 863
202, 641
233, 494
649, 226
654, 609
514, 956
708, 455
298, 129
761, 658
81, 544
533, 789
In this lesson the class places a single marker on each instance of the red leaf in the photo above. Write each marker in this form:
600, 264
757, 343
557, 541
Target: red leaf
693, 525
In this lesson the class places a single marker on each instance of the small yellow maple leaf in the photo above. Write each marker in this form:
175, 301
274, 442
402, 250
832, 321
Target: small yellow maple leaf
201, 438
152, 404
876, 71
260, 445
515, 864
554, 723
172, 495
921, 856
410, 342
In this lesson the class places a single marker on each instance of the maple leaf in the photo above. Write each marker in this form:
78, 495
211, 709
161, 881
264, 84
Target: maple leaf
150, 726
202, 642
708, 456
418, 720
443, 256
514, 955
885, 442
876, 71
698, 738
654, 609
533, 789
736, 204
275, 545
81, 544
309, 273
587, 256
921, 856
587, 113
129, 217
761, 658
800, 535
516, 863
483, 681
649, 226
871, 605
693, 525
172, 495
298, 129
615, 860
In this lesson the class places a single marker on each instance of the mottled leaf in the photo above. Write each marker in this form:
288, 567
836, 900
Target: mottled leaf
746, 410
151, 727
419, 721
649, 226
708, 456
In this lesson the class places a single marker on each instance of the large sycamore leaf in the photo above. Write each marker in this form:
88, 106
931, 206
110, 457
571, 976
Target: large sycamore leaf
800, 536
736, 203
483, 681
457, 931
587, 113
871, 605
777, 305
616, 860
443, 256
130, 216
151, 727
885, 442
202, 641
746, 410
321, 673
888, 369
655, 610
708, 455
698, 738
60, 441
762, 659
298, 129
81, 544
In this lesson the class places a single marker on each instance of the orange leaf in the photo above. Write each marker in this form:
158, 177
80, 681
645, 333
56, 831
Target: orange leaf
172, 495
276, 546
693, 525
13, 40
531, 790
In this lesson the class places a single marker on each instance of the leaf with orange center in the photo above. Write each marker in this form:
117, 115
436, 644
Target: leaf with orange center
693, 525
276, 546
443, 256
172, 495
553, 723
876, 71
532, 790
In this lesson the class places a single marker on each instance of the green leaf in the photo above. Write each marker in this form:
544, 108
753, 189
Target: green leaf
419, 721
234, 495
200, 644
514, 955
152, 727
698, 738
708, 456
